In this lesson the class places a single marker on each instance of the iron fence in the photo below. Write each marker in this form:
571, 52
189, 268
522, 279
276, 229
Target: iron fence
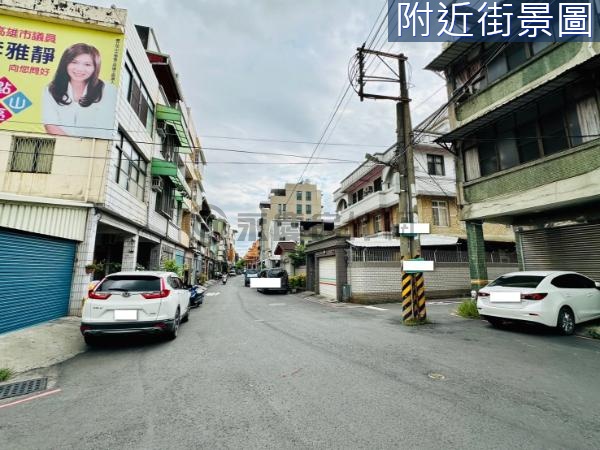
392, 254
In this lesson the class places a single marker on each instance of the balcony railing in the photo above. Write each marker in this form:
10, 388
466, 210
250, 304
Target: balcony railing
370, 203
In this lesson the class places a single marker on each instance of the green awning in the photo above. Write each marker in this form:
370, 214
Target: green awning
174, 118
163, 168
178, 197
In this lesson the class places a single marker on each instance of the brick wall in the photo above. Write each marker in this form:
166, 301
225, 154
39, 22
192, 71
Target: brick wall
380, 282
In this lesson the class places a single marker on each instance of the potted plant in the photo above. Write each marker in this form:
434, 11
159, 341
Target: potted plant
93, 268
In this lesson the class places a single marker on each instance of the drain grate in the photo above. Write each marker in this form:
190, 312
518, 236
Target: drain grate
22, 387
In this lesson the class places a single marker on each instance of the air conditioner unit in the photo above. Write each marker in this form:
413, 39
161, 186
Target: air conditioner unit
158, 184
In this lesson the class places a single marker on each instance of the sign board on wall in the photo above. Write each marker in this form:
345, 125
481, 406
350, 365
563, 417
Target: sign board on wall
58, 79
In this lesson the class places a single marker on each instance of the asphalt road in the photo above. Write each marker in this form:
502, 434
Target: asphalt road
272, 371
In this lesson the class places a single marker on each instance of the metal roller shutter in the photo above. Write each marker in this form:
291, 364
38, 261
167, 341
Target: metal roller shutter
327, 277
35, 278
575, 248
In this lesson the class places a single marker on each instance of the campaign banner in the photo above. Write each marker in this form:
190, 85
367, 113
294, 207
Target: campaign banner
58, 79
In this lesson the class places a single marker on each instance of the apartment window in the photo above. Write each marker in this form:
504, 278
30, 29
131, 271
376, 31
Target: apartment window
33, 155
440, 213
378, 185
361, 194
299, 196
364, 227
377, 223
435, 165
130, 168
308, 209
354, 198
165, 200
137, 95
560, 121
308, 195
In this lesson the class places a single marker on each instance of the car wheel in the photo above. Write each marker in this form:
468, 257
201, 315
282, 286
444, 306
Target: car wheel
496, 322
566, 321
174, 331
90, 340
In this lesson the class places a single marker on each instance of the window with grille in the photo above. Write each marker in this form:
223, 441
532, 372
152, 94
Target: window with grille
33, 155
308, 209
435, 165
131, 168
298, 209
299, 195
440, 213
308, 196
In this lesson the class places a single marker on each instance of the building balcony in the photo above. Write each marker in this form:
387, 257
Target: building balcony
370, 203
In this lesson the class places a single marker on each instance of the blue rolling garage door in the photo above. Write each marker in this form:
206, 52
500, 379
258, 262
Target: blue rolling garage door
35, 278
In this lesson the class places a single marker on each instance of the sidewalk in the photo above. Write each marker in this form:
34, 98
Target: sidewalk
41, 345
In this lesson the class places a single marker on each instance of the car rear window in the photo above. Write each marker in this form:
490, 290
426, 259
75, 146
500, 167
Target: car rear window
522, 281
130, 283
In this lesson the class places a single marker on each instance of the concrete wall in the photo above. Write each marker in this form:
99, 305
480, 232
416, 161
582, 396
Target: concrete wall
380, 282
78, 169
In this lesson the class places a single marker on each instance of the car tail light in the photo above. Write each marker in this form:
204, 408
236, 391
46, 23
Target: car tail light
98, 296
160, 294
483, 294
533, 296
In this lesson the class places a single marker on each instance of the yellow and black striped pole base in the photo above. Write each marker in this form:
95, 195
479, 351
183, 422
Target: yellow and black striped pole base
407, 303
421, 312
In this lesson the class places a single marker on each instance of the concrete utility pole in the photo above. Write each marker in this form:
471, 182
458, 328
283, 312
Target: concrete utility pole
404, 157
413, 288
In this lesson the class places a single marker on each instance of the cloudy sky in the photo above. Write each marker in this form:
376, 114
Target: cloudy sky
274, 69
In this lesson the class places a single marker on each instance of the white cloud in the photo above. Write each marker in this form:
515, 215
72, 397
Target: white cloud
273, 69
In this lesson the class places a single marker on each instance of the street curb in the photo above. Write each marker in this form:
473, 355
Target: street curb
41, 346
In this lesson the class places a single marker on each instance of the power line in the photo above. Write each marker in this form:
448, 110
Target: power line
114, 157
284, 141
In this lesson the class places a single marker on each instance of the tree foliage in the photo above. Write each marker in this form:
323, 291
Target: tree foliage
298, 256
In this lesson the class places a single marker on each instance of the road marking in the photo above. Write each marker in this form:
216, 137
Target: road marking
33, 397
442, 303
211, 294
375, 308
277, 304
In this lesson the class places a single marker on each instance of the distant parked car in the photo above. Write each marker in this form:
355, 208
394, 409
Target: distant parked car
250, 273
275, 273
232, 273
135, 302
552, 298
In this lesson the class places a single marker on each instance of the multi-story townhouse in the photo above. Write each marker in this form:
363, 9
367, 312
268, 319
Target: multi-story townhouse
525, 131
85, 192
367, 199
282, 214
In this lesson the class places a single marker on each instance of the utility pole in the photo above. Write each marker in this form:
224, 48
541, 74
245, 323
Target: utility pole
413, 289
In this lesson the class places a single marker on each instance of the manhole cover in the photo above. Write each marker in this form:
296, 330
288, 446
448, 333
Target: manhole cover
22, 387
436, 376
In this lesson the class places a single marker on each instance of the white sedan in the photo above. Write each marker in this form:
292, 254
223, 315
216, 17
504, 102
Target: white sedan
552, 298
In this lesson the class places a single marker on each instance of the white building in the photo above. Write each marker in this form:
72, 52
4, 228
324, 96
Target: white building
121, 196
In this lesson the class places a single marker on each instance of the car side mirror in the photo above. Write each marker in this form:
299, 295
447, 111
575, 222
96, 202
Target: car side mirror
597, 285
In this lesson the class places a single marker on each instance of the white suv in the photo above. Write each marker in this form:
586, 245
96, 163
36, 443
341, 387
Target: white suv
135, 302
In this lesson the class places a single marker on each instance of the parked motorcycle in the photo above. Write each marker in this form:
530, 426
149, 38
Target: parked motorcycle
224, 279
196, 295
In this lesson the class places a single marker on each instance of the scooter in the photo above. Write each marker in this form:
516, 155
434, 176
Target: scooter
224, 279
196, 295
